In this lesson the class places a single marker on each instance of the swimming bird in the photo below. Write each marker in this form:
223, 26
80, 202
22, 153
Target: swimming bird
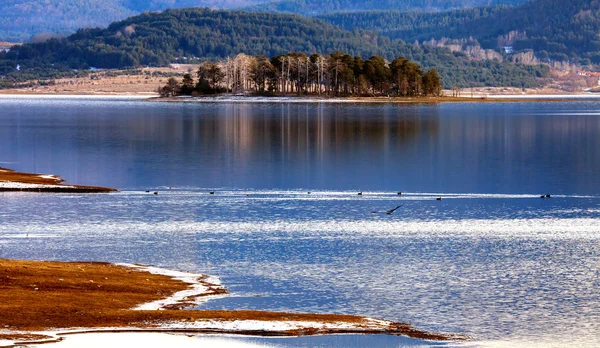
360, 193
542, 196
212, 192
399, 193
438, 199
548, 196
155, 193
147, 191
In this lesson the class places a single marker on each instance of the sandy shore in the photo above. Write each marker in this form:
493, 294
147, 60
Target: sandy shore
44, 301
12, 181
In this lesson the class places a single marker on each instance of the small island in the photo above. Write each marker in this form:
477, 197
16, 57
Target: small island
42, 301
13, 181
333, 75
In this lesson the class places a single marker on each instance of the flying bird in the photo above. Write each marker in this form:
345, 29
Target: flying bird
389, 212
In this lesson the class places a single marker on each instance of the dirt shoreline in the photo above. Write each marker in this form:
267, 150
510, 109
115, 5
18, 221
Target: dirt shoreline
13, 181
46, 300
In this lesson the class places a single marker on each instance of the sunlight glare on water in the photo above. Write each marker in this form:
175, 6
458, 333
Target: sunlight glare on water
491, 259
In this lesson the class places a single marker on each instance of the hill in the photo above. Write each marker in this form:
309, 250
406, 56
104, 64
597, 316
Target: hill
555, 30
22, 19
322, 7
157, 39
412, 25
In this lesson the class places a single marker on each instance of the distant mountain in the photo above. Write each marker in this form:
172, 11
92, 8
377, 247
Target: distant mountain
21, 19
555, 30
161, 38
322, 7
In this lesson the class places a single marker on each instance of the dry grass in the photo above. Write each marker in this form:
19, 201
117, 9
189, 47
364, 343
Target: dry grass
24, 337
28, 178
36, 295
103, 82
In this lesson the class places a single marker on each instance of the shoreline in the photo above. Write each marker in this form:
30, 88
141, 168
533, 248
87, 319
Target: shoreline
44, 301
13, 181
378, 100
153, 97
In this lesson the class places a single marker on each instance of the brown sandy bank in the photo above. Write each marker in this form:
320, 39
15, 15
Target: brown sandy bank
38, 296
11, 180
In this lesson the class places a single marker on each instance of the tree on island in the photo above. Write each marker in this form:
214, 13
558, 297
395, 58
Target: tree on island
171, 89
334, 75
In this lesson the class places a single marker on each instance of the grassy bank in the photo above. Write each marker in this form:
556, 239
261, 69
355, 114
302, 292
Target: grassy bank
36, 296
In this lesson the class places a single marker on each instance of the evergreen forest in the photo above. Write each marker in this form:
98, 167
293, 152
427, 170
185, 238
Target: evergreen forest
198, 34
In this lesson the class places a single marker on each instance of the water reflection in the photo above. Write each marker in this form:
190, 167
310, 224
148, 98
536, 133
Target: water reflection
485, 148
239, 145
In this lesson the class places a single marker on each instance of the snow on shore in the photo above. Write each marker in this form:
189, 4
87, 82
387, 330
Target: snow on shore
147, 340
22, 185
202, 288
253, 99
233, 326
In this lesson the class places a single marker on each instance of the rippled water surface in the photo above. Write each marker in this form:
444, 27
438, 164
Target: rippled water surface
491, 259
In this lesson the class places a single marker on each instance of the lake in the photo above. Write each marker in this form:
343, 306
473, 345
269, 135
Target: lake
491, 259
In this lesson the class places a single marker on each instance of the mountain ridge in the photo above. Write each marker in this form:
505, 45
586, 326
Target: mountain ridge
157, 39
557, 31
22, 19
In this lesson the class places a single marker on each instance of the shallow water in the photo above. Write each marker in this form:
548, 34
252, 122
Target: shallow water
491, 259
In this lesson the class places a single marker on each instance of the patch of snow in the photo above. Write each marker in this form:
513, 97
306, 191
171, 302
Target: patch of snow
22, 185
201, 289
244, 99
147, 340
277, 325
135, 96
48, 176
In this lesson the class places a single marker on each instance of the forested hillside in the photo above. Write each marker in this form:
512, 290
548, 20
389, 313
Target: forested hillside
556, 30
161, 38
321, 7
413, 25
21, 19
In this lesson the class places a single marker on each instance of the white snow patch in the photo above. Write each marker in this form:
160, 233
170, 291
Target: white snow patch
48, 176
251, 99
202, 287
147, 340
277, 326
22, 185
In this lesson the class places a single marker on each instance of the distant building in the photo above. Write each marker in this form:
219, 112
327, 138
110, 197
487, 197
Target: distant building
589, 73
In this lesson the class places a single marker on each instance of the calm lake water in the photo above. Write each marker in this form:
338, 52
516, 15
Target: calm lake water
491, 259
